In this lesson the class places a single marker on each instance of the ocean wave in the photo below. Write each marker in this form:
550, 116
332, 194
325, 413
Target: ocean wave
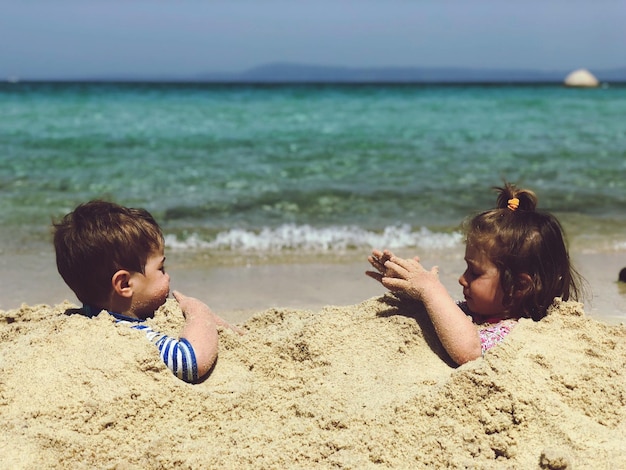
314, 239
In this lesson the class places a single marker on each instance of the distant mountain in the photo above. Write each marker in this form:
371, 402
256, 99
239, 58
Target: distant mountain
301, 73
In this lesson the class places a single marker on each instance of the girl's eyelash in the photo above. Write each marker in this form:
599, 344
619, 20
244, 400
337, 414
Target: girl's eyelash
472, 271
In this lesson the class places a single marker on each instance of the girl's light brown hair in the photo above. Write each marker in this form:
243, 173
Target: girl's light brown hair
99, 238
525, 241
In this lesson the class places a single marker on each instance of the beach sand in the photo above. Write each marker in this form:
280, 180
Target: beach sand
361, 386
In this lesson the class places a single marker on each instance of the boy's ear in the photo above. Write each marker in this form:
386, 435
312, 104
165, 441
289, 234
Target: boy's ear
121, 283
524, 285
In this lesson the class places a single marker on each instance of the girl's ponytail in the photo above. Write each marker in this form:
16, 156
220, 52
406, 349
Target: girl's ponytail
515, 199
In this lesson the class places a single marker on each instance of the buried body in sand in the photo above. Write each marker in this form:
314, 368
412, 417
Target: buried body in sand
363, 386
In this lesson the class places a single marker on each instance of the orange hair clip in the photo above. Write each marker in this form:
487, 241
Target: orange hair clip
513, 204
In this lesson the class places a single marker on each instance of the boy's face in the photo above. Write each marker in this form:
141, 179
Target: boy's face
150, 290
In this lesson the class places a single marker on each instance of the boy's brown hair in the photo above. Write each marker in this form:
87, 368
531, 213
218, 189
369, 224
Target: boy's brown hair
99, 238
521, 240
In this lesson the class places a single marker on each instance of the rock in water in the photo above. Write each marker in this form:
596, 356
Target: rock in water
581, 78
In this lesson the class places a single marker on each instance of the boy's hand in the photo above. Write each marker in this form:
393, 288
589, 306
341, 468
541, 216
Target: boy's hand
191, 305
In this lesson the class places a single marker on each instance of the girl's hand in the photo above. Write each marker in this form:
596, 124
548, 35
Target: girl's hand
408, 276
378, 259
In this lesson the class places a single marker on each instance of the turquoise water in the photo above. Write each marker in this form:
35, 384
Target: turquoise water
273, 168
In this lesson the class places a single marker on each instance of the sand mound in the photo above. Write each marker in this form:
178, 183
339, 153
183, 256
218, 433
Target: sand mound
365, 386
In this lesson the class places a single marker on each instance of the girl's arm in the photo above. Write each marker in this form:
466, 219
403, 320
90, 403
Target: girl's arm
458, 335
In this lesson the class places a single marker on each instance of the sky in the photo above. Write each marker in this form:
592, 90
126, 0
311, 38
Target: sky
73, 39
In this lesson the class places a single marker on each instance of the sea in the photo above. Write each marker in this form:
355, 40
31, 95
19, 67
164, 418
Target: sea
310, 169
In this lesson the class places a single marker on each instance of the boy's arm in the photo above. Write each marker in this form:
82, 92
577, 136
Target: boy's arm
456, 331
200, 330
224, 324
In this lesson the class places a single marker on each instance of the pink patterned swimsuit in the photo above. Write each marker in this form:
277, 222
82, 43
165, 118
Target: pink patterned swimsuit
490, 333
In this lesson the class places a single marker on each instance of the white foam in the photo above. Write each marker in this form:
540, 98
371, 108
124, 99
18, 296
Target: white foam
314, 239
620, 246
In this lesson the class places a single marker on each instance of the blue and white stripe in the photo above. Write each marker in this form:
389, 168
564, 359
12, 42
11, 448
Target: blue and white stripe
177, 354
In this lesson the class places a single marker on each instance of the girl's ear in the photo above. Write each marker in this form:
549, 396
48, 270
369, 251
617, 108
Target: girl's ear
121, 283
523, 285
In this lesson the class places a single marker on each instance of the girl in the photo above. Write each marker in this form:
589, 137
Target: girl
517, 263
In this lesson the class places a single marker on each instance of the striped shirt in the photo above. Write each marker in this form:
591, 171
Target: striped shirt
177, 354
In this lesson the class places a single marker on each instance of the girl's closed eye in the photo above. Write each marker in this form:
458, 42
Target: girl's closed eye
472, 271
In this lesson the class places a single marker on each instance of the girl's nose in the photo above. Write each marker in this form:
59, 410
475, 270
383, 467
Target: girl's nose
462, 280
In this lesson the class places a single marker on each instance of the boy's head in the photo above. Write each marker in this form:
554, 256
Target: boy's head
97, 240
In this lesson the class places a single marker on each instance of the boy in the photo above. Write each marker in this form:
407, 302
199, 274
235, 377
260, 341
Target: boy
112, 257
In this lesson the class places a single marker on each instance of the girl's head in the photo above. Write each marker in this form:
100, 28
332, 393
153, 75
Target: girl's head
528, 249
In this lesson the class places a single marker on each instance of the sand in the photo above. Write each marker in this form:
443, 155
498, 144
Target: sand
360, 386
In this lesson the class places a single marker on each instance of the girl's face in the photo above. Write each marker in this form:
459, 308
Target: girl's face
481, 284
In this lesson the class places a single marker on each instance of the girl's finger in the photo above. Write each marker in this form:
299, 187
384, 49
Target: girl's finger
412, 264
394, 284
376, 265
373, 260
377, 276
395, 268
405, 264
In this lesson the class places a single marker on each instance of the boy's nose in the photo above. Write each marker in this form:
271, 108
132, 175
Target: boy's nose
462, 280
